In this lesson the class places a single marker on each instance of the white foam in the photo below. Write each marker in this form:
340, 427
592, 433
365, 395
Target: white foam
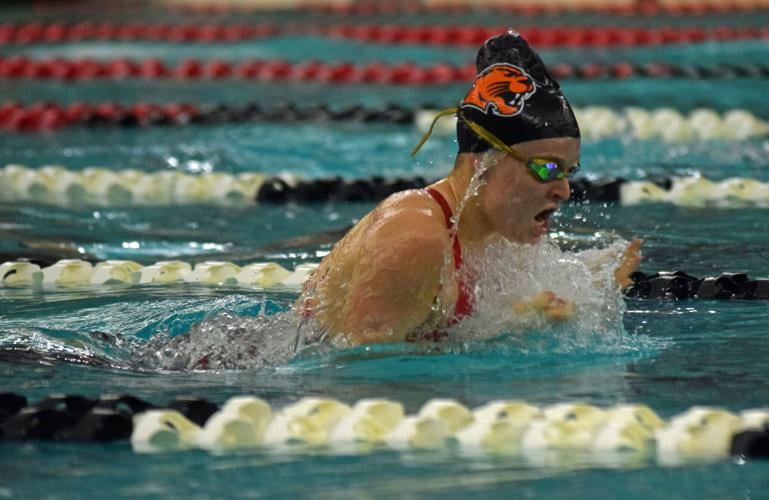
514, 273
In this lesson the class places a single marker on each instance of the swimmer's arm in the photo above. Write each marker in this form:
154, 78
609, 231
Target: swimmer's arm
397, 279
596, 260
545, 305
631, 259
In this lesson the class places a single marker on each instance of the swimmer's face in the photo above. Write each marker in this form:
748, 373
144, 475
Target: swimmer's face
515, 203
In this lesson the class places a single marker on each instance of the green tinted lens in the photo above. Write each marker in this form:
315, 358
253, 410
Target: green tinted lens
548, 170
545, 170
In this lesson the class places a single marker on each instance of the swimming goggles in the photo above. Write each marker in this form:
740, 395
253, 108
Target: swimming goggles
543, 169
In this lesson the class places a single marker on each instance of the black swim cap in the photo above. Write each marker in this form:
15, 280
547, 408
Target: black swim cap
513, 97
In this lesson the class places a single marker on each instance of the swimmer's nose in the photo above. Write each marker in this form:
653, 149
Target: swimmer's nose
560, 189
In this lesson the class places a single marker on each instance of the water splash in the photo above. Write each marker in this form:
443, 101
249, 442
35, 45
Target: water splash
225, 342
510, 273
483, 163
47, 347
507, 274
248, 338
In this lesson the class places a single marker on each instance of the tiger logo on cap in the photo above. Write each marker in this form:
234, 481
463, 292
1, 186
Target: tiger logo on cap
501, 89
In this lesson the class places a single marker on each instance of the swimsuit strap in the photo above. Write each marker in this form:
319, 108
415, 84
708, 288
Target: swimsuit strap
464, 306
438, 197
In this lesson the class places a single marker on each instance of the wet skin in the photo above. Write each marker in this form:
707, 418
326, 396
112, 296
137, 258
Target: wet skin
512, 202
392, 274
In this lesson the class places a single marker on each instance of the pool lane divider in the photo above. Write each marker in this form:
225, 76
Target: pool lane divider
203, 12
646, 8
43, 116
269, 275
77, 273
690, 191
350, 8
342, 72
469, 35
102, 187
544, 37
596, 122
624, 432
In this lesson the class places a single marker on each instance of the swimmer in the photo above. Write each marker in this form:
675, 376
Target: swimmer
398, 274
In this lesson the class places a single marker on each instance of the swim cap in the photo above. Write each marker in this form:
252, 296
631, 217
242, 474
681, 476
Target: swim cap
514, 97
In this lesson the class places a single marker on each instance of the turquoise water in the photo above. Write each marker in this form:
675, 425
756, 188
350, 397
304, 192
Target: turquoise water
301, 48
348, 150
484, 17
670, 356
198, 475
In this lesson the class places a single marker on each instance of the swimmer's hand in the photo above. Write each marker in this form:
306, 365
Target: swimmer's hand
631, 258
547, 304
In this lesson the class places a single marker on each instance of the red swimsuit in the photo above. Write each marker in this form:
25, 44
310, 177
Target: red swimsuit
464, 305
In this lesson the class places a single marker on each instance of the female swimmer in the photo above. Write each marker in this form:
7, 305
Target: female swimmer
398, 274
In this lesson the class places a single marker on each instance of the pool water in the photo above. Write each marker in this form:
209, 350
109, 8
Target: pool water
666, 354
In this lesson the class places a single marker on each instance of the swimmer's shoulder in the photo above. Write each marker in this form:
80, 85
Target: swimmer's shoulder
410, 211
407, 232
414, 203
403, 251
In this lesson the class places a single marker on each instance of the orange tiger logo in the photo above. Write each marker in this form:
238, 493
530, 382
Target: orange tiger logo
502, 89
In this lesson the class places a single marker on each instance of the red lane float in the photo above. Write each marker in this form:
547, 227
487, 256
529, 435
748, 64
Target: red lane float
364, 8
48, 116
597, 122
387, 34
59, 32
405, 73
532, 8
628, 8
544, 37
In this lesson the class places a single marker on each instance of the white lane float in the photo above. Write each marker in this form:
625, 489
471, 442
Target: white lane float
514, 428
667, 124
76, 272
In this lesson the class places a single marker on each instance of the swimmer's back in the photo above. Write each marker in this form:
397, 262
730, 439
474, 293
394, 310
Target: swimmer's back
380, 281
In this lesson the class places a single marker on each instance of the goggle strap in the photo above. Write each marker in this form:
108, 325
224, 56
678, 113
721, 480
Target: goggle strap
441, 114
479, 130
492, 139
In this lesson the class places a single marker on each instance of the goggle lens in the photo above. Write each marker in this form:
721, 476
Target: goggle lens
548, 170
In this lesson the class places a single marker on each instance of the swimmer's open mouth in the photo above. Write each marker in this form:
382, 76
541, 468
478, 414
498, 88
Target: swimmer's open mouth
544, 215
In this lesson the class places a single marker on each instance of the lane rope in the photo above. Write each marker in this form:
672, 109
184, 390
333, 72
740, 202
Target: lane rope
667, 124
94, 186
269, 275
624, 432
596, 122
689, 191
554, 7
324, 11
550, 36
80, 273
562, 36
41, 116
102, 187
341, 72
346, 8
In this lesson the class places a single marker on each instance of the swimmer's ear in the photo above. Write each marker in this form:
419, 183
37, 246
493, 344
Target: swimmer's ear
445, 112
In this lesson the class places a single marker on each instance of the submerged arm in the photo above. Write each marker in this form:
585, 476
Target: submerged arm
545, 305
